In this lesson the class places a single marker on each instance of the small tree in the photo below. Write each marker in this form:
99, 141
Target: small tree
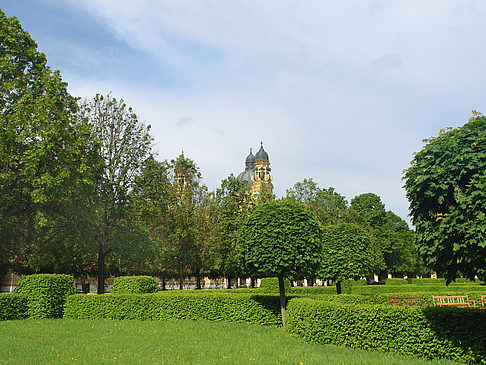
279, 239
347, 253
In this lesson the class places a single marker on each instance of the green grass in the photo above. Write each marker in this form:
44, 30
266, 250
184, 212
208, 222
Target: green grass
63, 341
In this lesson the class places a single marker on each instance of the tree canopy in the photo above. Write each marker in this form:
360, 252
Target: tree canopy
347, 253
446, 188
328, 206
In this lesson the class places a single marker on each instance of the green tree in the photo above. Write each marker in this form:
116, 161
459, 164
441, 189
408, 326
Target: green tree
49, 163
280, 239
398, 247
327, 205
125, 144
368, 212
347, 253
446, 188
234, 204
185, 215
149, 202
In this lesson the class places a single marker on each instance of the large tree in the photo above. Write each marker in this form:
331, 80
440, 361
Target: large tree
49, 163
347, 253
280, 239
446, 187
327, 205
125, 144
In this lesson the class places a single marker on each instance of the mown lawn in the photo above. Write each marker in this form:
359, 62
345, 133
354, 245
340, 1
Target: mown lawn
64, 341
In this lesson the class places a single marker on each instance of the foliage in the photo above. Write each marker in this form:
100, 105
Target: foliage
234, 204
328, 206
189, 231
125, 144
279, 239
270, 285
346, 253
149, 202
13, 306
397, 281
422, 332
446, 187
134, 285
46, 292
49, 163
391, 238
257, 309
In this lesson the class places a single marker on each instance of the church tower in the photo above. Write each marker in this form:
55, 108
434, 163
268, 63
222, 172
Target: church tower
261, 175
257, 171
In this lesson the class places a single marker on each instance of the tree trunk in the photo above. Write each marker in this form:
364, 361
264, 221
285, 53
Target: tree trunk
283, 302
229, 283
198, 278
338, 287
162, 279
382, 276
101, 269
181, 273
252, 282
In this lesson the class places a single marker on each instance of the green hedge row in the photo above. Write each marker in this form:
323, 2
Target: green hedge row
431, 332
134, 285
257, 309
434, 290
397, 281
13, 306
46, 293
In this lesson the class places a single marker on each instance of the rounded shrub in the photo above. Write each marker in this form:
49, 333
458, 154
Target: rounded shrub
134, 285
46, 292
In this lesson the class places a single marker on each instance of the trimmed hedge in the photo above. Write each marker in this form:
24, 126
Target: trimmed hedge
46, 292
270, 285
458, 289
431, 332
134, 285
13, 306
396, 281
257, 309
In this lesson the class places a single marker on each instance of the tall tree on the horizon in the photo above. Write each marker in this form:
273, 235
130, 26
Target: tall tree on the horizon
125, 144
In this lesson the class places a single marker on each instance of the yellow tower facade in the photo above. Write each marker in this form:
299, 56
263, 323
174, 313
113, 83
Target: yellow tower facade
257, 171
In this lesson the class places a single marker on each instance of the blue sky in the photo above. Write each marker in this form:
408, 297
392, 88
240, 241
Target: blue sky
341, 92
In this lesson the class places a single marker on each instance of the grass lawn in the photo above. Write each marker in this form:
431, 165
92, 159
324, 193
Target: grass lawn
64, 341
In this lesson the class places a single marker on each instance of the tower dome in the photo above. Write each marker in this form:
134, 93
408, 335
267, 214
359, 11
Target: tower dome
261, 155
250, 161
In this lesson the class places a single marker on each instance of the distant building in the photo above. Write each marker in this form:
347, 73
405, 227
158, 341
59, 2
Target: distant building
257, 171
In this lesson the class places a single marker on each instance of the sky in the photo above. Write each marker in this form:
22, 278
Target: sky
342, 92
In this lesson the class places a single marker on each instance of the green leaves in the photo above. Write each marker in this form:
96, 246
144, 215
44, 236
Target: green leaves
347, 253
279, 238
446, 189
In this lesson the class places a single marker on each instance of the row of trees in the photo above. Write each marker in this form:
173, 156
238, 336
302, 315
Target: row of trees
83, 193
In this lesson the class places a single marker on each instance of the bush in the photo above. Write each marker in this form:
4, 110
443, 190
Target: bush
431, 332
46, 292
396, 281
134, 285
270, 285
257, 309
13, 306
